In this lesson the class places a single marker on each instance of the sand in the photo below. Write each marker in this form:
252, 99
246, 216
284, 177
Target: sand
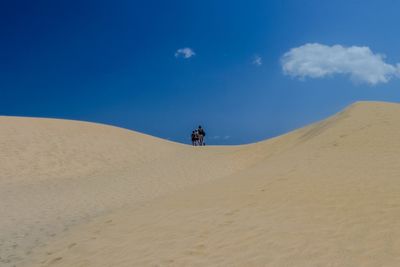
83, 194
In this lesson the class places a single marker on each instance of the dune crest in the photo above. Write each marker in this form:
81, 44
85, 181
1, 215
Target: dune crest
323, 195
58, 173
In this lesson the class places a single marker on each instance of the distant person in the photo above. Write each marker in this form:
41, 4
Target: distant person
202, 134
195, 138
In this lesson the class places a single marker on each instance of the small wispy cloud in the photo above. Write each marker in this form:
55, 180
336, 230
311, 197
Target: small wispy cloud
226, 137
257, 60
185, 52
358, 62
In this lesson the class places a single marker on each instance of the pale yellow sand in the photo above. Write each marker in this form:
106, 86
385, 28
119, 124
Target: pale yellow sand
93, 195
58, 173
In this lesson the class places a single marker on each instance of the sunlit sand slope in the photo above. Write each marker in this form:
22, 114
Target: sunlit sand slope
59, 173
324, 195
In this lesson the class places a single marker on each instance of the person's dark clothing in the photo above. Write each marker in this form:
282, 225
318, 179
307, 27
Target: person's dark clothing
202, 132
195, 138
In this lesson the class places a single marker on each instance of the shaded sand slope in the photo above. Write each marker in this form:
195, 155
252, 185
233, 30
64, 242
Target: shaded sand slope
59, 173
324, 195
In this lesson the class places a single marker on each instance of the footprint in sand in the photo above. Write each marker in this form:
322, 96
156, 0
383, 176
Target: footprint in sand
55, 260
232, 212
72, 245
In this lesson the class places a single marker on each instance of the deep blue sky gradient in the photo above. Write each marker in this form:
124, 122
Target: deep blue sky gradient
113, 62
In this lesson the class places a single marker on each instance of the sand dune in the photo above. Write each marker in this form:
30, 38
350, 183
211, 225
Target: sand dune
57, 173
83, 194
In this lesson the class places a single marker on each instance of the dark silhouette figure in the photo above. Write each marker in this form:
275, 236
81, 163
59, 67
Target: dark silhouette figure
195, 138
201, 134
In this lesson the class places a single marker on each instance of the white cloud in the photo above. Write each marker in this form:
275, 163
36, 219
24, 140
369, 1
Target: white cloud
185, 52
257, 60
359, 62
226, 137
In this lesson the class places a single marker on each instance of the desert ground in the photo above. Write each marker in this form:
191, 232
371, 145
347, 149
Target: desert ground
83, 194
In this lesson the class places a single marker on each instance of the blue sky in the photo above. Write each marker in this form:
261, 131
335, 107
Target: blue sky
252, 70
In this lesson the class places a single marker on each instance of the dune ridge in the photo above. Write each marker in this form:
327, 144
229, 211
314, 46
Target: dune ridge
323, 195
58, 173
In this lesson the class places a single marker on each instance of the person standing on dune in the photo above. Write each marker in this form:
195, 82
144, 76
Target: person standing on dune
194, 138
202, 134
